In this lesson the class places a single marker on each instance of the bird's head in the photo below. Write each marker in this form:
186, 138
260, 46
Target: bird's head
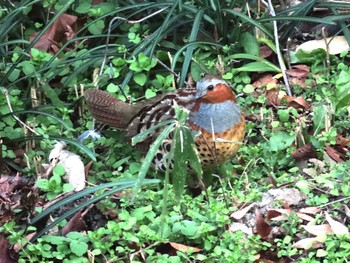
212, 89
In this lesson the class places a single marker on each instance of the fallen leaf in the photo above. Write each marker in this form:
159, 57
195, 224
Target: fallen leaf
76, 223
298, 71
305, 217
297, 102
263, 80
336, 45
184, 248
337, 227
235, 226
318, 229
310, 210
58, 32
265, 51
242, 212
262, 228
307, 243
278, 214
305, 152
334, 154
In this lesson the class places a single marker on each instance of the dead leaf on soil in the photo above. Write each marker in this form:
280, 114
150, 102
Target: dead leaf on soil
184, 248
336, 45
76, 223
297, 102
305, 152
60, 31
308, 243
337, 227
262, 228
242, 212
235, 226
318, 229
310, 210
333, 154
298, 71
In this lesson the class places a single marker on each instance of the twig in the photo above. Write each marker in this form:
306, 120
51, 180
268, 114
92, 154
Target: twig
278, 51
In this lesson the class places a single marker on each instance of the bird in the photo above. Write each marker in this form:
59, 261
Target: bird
214, 117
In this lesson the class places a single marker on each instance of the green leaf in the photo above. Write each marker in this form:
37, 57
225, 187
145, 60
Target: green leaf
318, 54
192, 153
250, 44
280, 141
59, 170
112, 88
14, 75
180, 162
28, 68
97, 27
258, 67
150, 93
140, 79
43, 184
78, 248
283, 115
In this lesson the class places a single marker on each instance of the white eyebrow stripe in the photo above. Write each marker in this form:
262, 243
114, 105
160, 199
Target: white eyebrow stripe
206, 82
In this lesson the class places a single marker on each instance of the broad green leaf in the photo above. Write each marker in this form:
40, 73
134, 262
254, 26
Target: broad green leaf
140, 79
258, 67
150, 93
28, 68
250, 44
280, 141
97, 27
112, 88
310, 56
78, 248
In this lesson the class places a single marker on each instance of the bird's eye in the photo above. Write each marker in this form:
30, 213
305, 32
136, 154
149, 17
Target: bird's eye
210, 87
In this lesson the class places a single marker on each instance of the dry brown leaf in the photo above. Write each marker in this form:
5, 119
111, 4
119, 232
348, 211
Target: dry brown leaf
299, 71
265, 51
263, 80
59, 32
305, 152
334, 154
242, 212
297, 102
307, 243
310, 210
305, 217
337, 227
4, 251
336, 45
318, 229
76, 223
262, 228
184, 248
235, 226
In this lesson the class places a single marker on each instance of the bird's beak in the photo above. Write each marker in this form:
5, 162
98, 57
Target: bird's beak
200, 93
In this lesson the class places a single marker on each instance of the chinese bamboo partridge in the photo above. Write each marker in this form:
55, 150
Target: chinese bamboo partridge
214, 115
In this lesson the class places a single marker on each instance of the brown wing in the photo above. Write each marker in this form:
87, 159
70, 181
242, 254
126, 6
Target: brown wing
109, 110
160, 109
138, 117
